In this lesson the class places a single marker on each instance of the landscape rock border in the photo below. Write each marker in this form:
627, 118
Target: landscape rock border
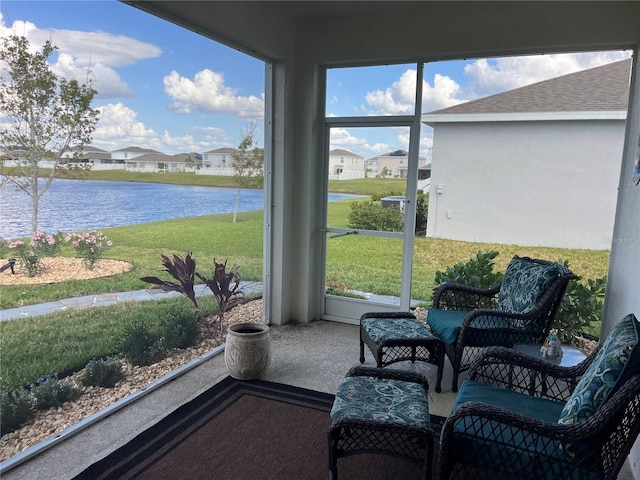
49, 423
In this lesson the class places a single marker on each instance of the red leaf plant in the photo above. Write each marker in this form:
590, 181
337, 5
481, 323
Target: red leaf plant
224, 285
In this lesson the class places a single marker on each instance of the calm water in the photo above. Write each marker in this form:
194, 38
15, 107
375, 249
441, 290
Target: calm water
75, 205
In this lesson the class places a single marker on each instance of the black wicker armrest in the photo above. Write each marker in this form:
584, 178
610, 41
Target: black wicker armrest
389, 374
599, 443
512, 370
454, 296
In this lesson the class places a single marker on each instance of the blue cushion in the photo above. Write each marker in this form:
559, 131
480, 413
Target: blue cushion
540, 408
524, 284
486, 442
616, 362
381, 329
446, 324
385, 401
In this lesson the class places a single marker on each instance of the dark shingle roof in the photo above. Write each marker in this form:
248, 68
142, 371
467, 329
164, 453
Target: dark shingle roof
604, 88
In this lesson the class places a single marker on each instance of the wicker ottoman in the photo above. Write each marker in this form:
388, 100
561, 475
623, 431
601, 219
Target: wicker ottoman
398, 336
382, 412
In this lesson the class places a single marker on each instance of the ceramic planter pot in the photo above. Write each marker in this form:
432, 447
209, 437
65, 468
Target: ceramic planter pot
248, 350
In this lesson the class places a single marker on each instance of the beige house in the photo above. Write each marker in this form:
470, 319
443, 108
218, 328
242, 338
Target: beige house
391, 165
344, 165
217, 162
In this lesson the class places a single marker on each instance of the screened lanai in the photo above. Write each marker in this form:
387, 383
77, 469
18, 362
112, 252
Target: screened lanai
299, 41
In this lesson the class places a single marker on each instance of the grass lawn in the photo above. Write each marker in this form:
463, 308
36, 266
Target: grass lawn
38, 346
367, 264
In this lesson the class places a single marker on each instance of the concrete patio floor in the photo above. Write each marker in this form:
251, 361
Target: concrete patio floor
314, 356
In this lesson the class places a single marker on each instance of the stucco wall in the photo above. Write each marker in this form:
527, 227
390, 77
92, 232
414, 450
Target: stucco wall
526, 183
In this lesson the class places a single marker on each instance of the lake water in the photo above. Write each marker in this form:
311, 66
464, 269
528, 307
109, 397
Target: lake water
76, 205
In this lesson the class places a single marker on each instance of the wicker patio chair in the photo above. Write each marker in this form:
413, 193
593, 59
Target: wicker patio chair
519, 309
522, 417
382, 411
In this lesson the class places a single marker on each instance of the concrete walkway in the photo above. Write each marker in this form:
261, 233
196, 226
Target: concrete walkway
104, 299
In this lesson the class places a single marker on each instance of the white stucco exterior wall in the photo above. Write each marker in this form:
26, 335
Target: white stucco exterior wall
527, 183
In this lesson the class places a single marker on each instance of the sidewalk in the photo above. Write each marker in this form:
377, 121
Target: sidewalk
105, 299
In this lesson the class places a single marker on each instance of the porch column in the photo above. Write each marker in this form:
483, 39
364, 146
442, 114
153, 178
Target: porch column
623, 281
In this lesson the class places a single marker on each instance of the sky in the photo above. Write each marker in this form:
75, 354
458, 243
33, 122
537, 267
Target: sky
166, 88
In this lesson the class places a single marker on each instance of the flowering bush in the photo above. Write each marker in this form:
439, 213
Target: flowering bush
44, 244
28, 258
89, 245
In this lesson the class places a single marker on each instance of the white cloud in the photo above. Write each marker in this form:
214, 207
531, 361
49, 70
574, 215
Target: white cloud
399, 98
208, 93
490, 76
78, 51
342, 138
445, 92
106, 81
118, 128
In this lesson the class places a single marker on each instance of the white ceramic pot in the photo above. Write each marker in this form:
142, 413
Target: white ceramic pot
248, 350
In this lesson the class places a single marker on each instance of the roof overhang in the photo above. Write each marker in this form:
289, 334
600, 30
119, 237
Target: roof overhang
345, 33
433, 119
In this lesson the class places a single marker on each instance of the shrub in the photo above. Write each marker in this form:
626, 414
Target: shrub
581, 305
27, 256
140, 344
179, 327
16, 407
477, 272
376, 197
422, 210
50, 392
89, 245
4, 247
102, 373
370, 215
45, 244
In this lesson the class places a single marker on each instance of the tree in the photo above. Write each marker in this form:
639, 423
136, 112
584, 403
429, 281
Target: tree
44, 118
248, 165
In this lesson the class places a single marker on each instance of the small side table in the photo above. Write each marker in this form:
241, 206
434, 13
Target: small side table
571, 355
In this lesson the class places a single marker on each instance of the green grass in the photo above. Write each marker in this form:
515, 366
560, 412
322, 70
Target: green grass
33, 347
368, 264
55, 343
208, 237
366, 186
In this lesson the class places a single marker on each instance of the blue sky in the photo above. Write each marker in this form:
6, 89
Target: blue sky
166, 88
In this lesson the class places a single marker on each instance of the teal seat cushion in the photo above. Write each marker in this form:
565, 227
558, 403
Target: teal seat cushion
539, 408
508, 451
383, 401
616, 362
381, 329
524, 283
446, 324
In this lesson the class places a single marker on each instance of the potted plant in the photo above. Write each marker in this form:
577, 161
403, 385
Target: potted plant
247, 350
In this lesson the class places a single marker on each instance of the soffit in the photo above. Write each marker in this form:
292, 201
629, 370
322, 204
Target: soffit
336, 32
